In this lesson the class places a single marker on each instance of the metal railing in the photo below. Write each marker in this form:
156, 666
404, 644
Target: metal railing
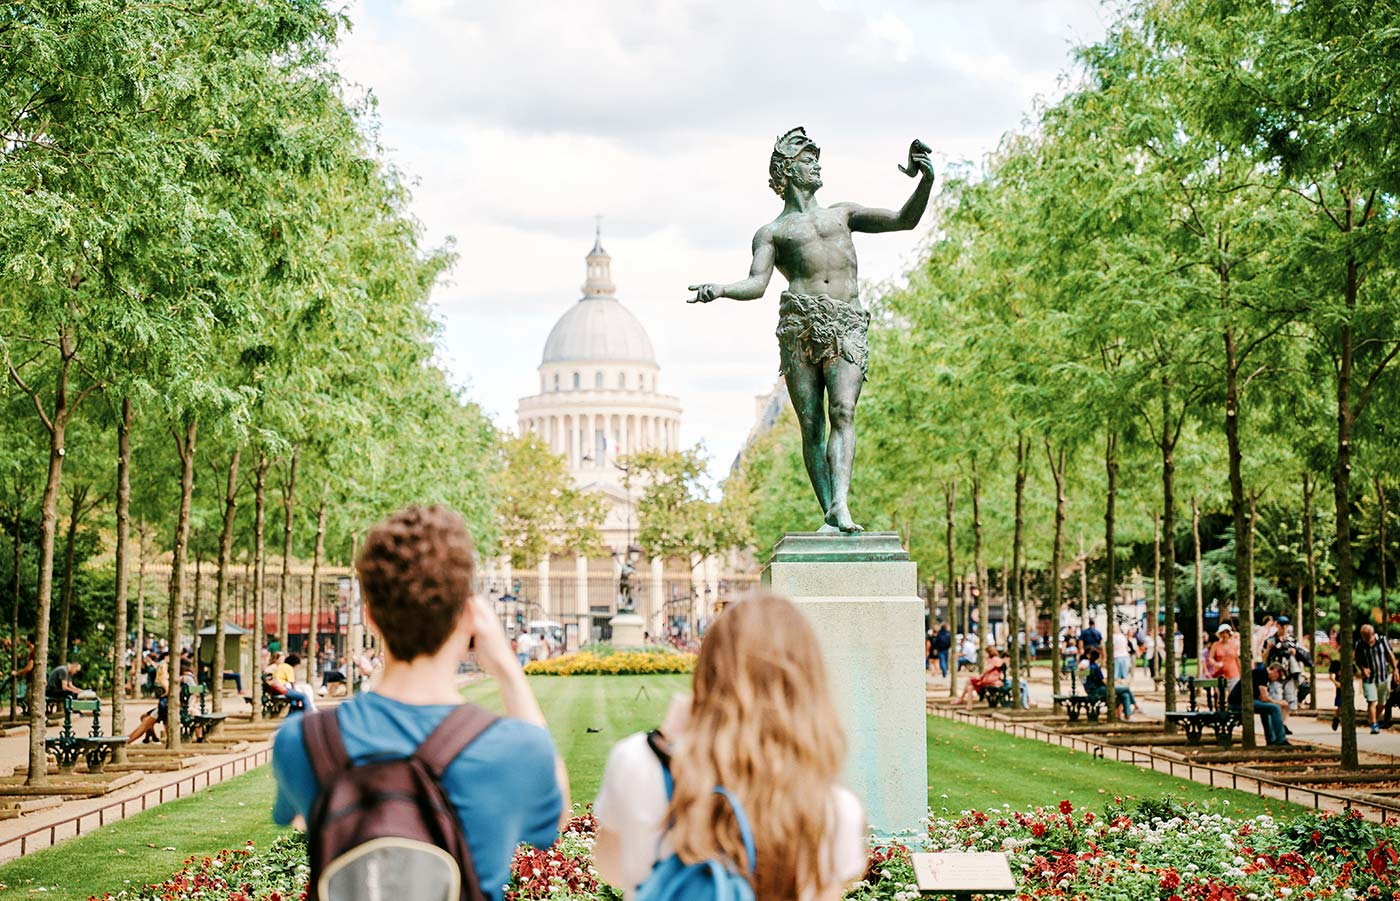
74, 826
1205, 774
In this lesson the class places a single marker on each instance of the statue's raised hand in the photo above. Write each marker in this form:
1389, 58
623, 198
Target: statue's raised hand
703, 293
918, 160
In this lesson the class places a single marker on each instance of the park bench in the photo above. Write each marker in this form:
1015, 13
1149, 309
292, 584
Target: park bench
1216, 715
273, 704
1076, 704
1000, 696
197, 727
95, 748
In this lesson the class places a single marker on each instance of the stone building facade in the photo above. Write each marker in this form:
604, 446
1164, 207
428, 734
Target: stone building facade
600, 399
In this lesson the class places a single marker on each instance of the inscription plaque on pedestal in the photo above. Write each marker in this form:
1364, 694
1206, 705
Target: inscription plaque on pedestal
963, 874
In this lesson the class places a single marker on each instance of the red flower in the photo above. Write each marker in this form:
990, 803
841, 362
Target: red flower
1381, 858
1066, 807
1170, 880
1038, 830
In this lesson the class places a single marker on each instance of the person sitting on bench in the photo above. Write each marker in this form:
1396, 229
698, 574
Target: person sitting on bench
1096, 686
284, 677
146, 729
331, 678
967, 653
59, 686
1275, 733
992, 677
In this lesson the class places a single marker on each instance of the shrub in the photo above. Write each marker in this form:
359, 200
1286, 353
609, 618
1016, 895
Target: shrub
615, 663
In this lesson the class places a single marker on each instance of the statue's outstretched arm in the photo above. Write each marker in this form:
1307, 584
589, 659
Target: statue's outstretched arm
873, 219
751, 288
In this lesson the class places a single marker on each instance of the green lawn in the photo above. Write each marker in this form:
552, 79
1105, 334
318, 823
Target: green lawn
612, 706
968, 767
149, 846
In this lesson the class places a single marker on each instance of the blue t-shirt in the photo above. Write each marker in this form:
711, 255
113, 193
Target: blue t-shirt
503, 785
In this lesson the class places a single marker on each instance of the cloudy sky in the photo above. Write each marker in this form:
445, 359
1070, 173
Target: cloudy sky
520, 121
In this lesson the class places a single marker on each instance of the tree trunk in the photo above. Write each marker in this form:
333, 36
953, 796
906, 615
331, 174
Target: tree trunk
259, 577
70, 551
950, 498
1341, 490
315, 586
1312, 589
288, 503
120, 671
196, 605
186, 448
221, 581
1385, 601
14, 607
984, 613
56, 423
1200, 587
140, 589
1169, 567
356, 631
1155, 608
1057, 470
1110, 460
1017, 588
1243, 572
1083, 584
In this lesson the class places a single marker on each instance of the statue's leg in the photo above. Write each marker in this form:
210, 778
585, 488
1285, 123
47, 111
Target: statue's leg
843, 384
806, 386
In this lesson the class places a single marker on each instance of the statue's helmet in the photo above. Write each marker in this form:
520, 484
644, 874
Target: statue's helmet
785, 149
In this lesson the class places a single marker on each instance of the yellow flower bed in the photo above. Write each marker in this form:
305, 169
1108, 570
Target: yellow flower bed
619, 663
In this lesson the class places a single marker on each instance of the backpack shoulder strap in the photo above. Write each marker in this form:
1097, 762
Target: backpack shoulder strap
324, 746
663, 756
742, 820
451, 737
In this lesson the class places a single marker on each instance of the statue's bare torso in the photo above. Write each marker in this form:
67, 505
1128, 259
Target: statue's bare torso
815, 252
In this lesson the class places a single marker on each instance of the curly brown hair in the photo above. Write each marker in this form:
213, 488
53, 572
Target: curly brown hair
416, 571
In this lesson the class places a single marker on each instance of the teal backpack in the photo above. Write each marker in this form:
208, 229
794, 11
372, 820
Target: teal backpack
706, 880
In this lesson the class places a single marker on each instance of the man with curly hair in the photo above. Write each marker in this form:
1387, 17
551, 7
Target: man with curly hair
508, 785
821, 324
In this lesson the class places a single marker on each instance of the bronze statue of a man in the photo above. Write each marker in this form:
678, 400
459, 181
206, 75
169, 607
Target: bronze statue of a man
821, 324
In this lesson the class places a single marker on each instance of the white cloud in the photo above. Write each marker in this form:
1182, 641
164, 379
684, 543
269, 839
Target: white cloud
520, 121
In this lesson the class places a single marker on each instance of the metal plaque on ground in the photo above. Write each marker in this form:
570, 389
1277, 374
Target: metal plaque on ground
963, 874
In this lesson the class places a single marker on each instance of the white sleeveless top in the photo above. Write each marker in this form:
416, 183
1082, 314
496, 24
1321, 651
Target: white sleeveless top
632, 805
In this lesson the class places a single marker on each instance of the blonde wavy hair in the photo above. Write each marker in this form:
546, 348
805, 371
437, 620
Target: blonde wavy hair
762, 725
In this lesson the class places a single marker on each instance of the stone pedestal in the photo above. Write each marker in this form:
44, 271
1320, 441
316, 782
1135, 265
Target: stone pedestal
628, 631
859, 593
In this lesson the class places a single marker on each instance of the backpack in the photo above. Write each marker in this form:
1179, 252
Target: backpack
385, 830
708, 880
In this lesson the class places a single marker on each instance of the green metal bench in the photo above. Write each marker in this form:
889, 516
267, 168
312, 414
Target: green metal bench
273, 705
1216, 715
197, 727
96, 749
1091, 708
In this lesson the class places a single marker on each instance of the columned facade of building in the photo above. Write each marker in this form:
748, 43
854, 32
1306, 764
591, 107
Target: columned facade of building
600, 400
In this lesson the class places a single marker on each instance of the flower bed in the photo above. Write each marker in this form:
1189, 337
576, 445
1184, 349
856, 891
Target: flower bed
1154, 851
613, 663
278, 872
